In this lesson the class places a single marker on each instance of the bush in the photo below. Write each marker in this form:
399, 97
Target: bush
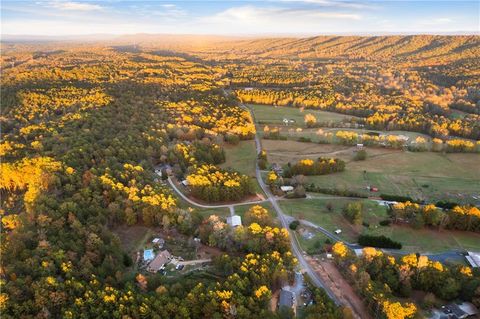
294, 225
262, 163
378, 241
333, 191
232, 139
446, 204
397, 198
353, 212
385, 222
360, 156
304, 139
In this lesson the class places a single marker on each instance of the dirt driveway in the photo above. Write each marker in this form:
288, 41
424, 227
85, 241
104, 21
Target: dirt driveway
339, 286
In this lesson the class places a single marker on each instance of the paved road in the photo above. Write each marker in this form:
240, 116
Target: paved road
299, 254
193, 203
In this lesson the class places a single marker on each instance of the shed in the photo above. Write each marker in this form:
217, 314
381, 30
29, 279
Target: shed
234, 221
286, 189
158, 241
148, 254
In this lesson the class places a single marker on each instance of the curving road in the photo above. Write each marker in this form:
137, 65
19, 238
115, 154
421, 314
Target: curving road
299, 254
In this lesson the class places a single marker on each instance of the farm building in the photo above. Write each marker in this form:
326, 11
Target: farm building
148, 254
159, 261
234, 221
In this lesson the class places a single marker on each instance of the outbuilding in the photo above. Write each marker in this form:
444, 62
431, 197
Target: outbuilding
286, 189
234, 221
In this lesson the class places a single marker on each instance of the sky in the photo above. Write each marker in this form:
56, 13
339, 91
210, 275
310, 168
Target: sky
270, 17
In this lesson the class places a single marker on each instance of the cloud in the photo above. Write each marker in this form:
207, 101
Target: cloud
334, 3
251, 14
275, 20
73, 6
437, 21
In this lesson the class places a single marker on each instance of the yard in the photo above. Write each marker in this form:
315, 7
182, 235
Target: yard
241, 157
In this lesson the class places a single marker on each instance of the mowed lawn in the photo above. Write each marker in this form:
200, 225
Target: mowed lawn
414, 240
423, 175
275, 115
241, 157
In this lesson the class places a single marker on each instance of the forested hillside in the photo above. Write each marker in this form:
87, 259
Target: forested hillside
82, 131
369, 48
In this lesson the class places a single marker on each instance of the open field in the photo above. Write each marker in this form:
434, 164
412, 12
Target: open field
424, 240
423, 175
241, 157
275, 115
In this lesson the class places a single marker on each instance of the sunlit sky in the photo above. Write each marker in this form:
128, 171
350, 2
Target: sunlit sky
273, 17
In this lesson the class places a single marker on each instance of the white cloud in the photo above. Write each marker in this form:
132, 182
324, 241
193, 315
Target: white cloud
276, 15
333, 3
73, 6
437, 21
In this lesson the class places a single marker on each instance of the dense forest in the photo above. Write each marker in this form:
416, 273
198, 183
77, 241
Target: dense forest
84, 126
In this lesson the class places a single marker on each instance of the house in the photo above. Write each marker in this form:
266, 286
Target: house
286, 189
359, 146
338, 231
469, 309
286, 299
159, 261
185, 182
473, 259
160, 242
460, 311
148, 254
234, 221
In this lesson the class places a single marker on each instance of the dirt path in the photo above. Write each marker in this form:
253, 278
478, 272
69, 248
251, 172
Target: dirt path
339, 286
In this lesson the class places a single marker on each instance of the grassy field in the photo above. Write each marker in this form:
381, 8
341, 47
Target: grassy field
315, 210
414, 240
275, 115
422, 175
241, 157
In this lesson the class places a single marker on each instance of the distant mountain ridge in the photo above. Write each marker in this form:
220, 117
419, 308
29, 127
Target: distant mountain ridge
357, 47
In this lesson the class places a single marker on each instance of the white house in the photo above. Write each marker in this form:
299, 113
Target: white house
234, 221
